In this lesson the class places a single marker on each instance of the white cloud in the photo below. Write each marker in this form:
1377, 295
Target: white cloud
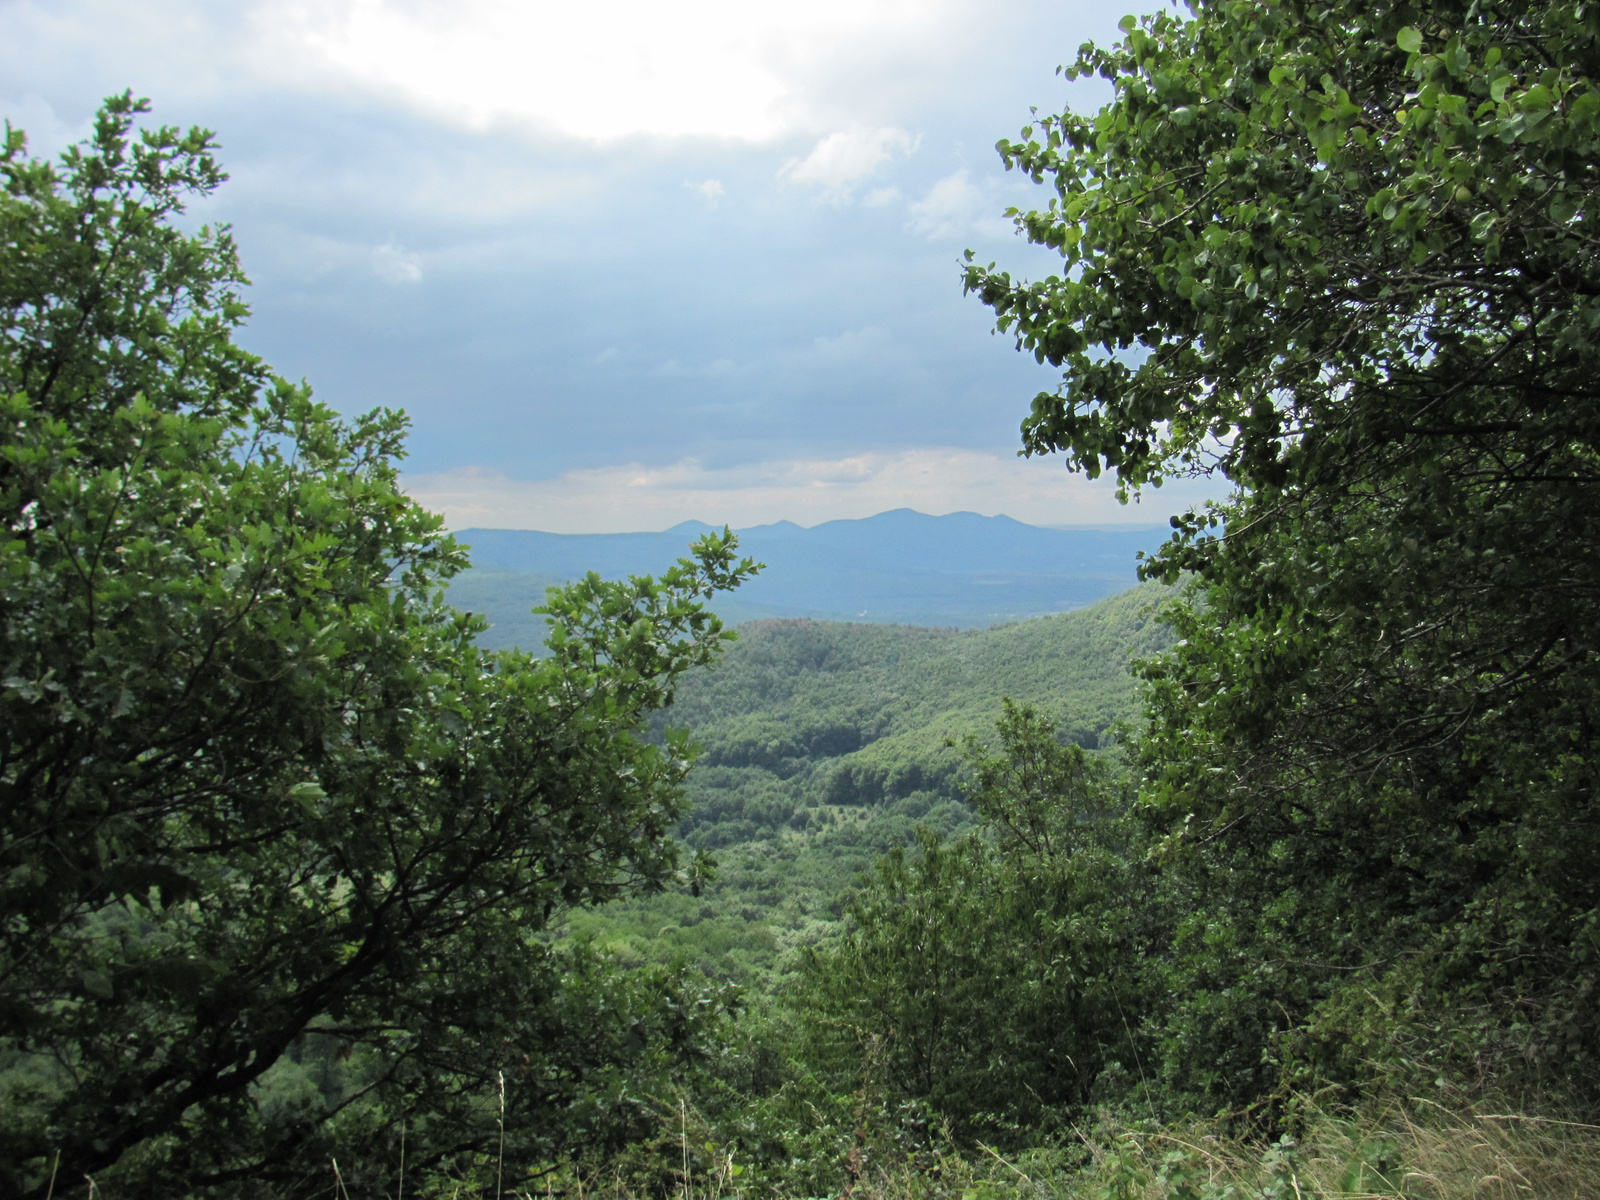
852, 347
720, 68
393, 265
957, 207
711, 189
46, 132
717, 368
841, 160
633, 496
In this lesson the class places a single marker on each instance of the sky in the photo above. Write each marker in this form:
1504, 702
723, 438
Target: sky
629, 264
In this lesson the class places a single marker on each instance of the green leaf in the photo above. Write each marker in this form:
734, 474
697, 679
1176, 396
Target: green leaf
1409, 40
1538, 98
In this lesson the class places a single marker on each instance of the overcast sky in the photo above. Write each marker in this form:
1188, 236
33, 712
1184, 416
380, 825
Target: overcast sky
623, 264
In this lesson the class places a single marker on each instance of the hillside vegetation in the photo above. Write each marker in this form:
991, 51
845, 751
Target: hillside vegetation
802, 714
825, 744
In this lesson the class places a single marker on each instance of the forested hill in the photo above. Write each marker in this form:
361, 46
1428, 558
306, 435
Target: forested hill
802, 714
959, 569
825, 744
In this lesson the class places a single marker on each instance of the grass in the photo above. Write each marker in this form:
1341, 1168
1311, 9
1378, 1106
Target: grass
1419, 1150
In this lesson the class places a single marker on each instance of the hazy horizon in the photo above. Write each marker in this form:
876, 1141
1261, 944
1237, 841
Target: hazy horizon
696, 523
622, 266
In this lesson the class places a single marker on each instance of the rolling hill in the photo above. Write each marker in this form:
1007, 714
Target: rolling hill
900, 567
825, 743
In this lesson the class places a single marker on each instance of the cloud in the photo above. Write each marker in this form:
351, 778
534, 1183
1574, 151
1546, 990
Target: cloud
46, 132
851, 348
841, 160
718, 68
393, 265
711, 189
717, 368
425, 235
956, 207
632, 496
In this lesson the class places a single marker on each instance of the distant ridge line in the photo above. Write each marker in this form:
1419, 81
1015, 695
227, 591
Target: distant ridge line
903, 567
695, 525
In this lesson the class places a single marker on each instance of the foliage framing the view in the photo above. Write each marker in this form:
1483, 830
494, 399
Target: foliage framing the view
1348, 256
1341, 255
261, 796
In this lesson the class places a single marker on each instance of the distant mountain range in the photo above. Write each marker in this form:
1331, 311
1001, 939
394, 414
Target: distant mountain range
899, 567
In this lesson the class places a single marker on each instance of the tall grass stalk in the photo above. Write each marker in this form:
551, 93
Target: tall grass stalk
500, 1162
683, 1135
1413, 1151
1416, 1149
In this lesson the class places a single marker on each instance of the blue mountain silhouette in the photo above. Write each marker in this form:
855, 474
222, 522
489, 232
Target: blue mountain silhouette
901, 567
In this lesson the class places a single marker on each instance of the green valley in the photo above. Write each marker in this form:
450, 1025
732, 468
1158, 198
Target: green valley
827, 743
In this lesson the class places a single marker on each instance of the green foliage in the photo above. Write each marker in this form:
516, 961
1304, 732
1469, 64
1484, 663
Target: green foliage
806, 713
261, 794
1390, 1152
1321, 221
288, 863
841, 734
1345, 255
827, 744
1043, 798
980, 977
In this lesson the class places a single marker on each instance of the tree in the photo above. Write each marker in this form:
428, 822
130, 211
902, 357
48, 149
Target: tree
1347, 257
983, 977
264, 806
